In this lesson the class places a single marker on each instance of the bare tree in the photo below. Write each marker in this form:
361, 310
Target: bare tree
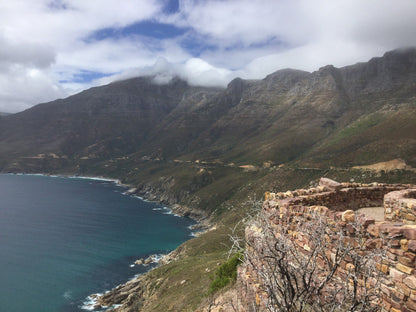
309, 262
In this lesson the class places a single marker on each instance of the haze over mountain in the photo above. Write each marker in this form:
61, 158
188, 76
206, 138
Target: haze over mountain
341, 116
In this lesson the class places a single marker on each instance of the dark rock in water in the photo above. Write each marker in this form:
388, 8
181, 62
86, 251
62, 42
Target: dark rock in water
121, 293
139, 262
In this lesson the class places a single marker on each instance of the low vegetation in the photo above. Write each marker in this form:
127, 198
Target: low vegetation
226, 273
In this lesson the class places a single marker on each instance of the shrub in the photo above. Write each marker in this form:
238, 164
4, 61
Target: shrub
226, 273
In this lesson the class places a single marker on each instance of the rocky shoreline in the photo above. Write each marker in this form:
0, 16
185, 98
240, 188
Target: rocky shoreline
135, 291
124, 294
161, 195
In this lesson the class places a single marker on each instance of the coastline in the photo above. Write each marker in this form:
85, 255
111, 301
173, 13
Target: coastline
201, 225
115, 297
175, 209
110, 299
99, 178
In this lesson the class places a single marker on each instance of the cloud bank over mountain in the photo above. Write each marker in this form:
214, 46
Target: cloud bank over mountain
53, 48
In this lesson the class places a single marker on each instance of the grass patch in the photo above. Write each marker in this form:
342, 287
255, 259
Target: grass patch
357, 127
226, 273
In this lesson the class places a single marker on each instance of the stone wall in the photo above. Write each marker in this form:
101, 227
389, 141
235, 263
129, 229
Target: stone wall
400, 206
337, 201
337, 196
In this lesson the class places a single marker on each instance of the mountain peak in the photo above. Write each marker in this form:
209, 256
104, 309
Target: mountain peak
285, 74
396, 68
402, 52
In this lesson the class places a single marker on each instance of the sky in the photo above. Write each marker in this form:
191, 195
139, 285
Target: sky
51, 49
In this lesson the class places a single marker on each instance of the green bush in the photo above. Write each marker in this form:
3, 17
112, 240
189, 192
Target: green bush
226, 273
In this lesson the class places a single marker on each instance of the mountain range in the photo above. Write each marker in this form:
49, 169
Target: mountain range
346, 116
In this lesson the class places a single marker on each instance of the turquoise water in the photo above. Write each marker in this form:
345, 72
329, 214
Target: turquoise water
62, 239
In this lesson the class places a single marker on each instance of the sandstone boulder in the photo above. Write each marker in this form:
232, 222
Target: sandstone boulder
330, 184
348, 216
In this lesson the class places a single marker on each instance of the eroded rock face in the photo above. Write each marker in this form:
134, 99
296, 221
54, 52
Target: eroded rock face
330, 184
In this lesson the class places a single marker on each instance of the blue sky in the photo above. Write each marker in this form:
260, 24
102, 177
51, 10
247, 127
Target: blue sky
54, 48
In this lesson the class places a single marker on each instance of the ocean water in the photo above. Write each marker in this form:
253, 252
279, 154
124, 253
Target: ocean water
62, 239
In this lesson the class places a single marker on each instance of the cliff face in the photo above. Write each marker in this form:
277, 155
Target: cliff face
396, 69
338, 116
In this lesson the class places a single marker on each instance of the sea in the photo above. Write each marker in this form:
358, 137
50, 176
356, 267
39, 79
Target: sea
62, 239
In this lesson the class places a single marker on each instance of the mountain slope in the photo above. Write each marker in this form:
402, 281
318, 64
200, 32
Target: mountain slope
100, 122
293, 115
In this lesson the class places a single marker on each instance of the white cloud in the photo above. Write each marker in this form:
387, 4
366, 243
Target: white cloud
25, 76
22, 87
304, 34
196, 71
42, 42
242, 22
122, 58
199, 72
36, 21
247, 38
25, 53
